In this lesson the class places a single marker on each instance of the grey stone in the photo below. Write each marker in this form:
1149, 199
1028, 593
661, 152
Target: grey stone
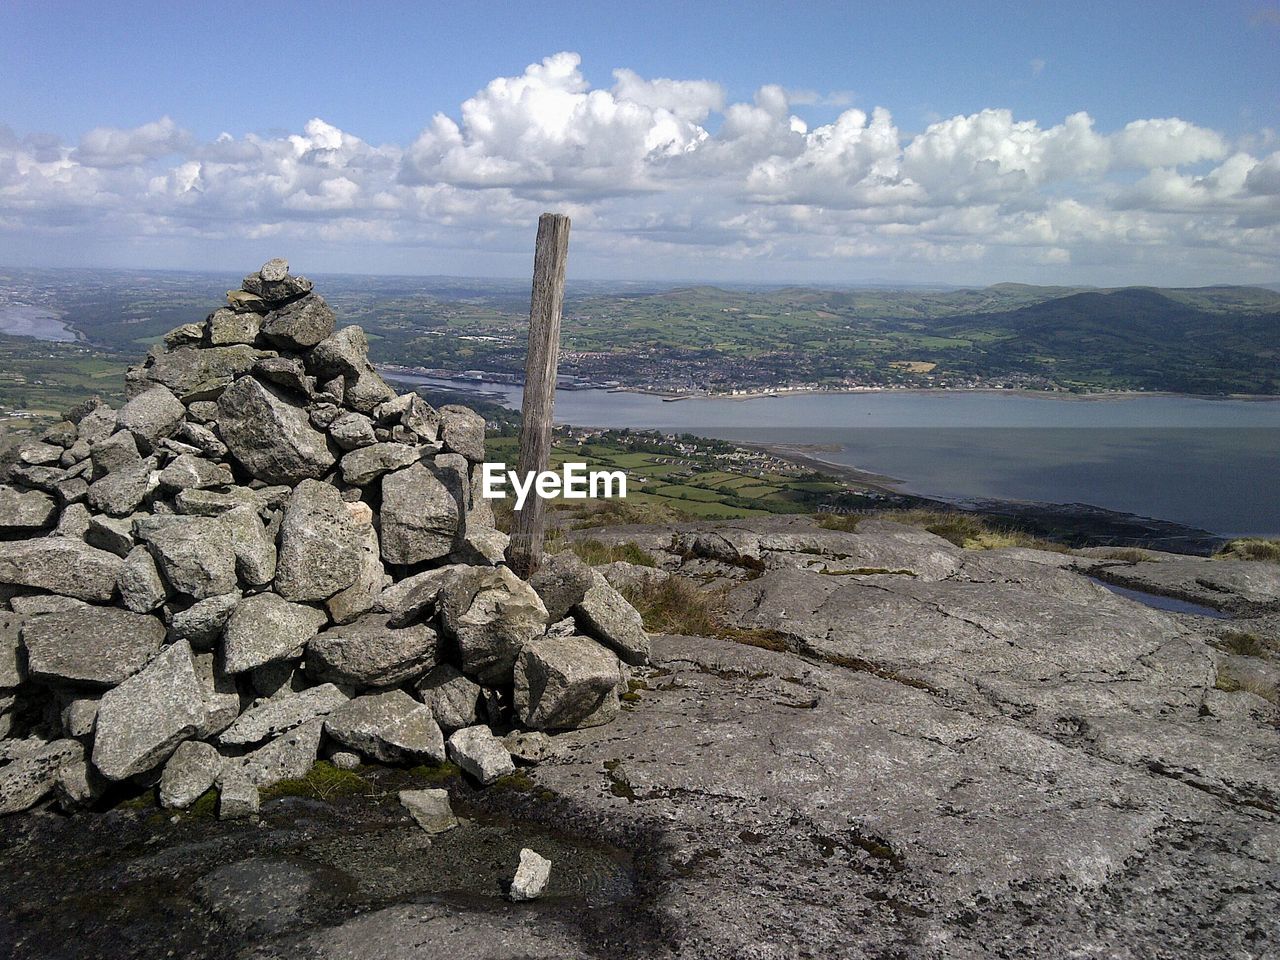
79, 717
451, 696
413, 413
62, 434
369, 653
274, 292
274, 717
320, 544
361, 467
194, 554
391, 727
13, 659
237, 796
30, 777
93, 646
345, 760
273, 271
299, 325
528, 746
201, 624
192, 770
481, 547
187, 472
40, 454
202, 439
203, 411
98, 424
123, 491
33, 604
421, 514
462, 430
279, 678
226, 327
416, 596
531, 877
606, 615
196, 373
255, 549
61, 565
143, 720
324, 414
479, 753
78, 785
25, 511
188, 333
352, 430
269, 435
73, 522
561, 581
490, 613
115, 452
141, 587
430, 809
366, 390
361, 597
113, 534
222, 700
266, 627
152, 414
286, 372
562, 683
72, 490
289, 756
345, 352
215, 503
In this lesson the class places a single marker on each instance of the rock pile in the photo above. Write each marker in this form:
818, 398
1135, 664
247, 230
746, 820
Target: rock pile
264, 556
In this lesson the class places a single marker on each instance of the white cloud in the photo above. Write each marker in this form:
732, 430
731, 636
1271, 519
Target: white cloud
667, 174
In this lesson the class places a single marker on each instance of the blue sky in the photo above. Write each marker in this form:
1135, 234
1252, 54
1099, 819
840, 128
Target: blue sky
969, 171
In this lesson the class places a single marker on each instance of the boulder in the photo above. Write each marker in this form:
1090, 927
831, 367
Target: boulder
299, 325
97, 424
462, 430
422, 511
143, 720
225, 328
152, 414
351, 431
29, 778
365, 391
274, 717
391, 727
415, 596
123, 491
92, 646
344, 353
531, 877
359, 598
254, 547
193, 769
194, 472
603, 613
563, 683
222, 700
40, 454
490, 613
141, 587
201, 623
451, 697
13, 659
197, 373
194, 554
202, 438
79, 717
370, 653
413, 413
273, 271
430, 809
63, 566
361, 467
286, 372
289, 756
114, 452
184, 335
214, 503
25, 511
561, 581
528, 746
113, 534
265, 628
269, 435
320, 544
479, 753
238, 798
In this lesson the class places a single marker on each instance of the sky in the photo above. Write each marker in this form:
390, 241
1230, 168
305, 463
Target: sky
787, 142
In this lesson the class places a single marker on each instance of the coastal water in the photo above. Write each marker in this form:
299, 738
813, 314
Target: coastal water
21, 320
1213, 464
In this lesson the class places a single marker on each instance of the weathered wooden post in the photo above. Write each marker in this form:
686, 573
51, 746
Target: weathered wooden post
550, 255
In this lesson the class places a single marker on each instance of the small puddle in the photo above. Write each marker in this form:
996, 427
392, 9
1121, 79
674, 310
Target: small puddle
1171, 604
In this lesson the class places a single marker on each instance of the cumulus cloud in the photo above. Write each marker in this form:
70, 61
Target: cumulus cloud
670, 173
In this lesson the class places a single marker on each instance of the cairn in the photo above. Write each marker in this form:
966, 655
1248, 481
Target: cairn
266, 556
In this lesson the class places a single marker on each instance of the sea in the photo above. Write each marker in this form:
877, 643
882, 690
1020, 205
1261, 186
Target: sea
1206, 463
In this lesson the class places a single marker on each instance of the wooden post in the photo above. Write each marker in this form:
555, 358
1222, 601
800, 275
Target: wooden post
549, 258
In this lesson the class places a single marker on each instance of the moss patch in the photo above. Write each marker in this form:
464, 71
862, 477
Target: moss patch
323, 782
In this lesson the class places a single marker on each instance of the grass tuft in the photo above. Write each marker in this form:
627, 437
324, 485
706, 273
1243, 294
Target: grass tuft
323, 781
678, 605
596, 554
970, 531
1250, 548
